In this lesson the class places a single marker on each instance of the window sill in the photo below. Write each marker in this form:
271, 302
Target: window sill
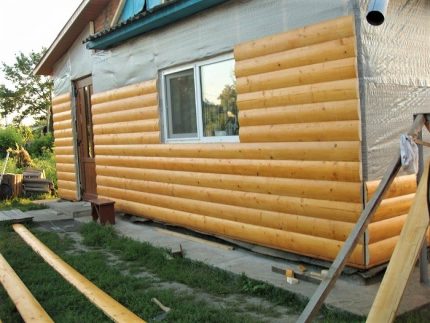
215, 139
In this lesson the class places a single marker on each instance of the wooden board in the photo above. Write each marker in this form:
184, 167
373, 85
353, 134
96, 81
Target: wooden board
14, 216
27, 306
405, 254
107, 304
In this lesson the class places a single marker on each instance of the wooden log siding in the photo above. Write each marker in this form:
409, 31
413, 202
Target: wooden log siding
294, 180
384, 230
64, 154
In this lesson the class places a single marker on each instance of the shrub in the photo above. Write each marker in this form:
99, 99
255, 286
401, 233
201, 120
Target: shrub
9, 138
47, 162
41, 144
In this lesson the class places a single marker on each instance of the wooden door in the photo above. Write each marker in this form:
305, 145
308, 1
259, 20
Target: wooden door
87, 167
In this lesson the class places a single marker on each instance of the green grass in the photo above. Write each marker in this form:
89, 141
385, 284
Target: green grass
23, 204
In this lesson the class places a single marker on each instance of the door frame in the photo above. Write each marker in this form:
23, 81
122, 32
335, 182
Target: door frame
80, 172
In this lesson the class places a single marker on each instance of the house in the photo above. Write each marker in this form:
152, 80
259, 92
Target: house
269, 122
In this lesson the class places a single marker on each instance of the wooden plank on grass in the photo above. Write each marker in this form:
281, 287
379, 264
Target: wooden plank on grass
102, 300
26, 304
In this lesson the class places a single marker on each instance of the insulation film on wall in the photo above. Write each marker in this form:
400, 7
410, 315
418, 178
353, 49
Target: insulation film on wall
294, 180
64, 151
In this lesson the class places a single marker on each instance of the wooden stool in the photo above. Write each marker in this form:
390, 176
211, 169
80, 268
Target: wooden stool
103, 209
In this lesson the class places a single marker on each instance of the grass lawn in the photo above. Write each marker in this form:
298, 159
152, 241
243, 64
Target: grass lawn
134, 272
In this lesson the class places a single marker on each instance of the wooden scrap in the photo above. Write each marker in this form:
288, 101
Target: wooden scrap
300, 276
302, 268
289, 273
178, 252
292, 280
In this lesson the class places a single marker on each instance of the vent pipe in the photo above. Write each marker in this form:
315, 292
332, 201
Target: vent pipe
376, 12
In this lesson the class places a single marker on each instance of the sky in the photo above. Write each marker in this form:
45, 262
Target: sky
27, 25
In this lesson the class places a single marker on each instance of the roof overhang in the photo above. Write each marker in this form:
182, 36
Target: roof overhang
148, 21
87, 11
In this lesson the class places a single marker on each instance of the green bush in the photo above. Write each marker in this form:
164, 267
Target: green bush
39, 145
9, 138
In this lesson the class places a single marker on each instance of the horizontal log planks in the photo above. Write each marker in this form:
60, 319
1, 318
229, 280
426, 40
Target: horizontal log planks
316, 151
323, 170
64, 146
127, 115
330, 210
387, 223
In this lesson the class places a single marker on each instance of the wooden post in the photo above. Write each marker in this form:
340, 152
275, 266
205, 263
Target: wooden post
336, 268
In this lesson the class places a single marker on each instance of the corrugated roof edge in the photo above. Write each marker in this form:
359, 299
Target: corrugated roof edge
145, 21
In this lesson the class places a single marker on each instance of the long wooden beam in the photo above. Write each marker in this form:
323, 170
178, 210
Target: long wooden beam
338, 264
102, 300
405, 254
28, 307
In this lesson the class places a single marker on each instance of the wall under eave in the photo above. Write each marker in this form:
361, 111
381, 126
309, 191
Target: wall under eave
207, 34
293, 182
394, 79
75, 64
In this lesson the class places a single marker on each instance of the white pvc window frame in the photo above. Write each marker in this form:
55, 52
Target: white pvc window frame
198, 104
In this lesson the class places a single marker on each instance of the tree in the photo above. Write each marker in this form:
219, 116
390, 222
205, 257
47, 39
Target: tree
29, 94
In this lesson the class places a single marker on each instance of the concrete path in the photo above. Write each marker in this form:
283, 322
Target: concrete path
349, 294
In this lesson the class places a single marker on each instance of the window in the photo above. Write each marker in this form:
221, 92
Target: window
200, 102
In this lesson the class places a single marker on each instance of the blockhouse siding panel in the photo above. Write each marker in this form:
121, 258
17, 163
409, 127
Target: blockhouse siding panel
387, 223
294, 180
64, 152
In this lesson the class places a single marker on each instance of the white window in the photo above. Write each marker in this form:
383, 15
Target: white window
200, 102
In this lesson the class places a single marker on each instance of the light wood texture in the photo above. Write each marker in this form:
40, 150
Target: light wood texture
322, 131
323, 170
385, 229
128, 138
323, 209
150, 125
402, 185
62, 98
324, 52
301, 37
128, 115
27, 306
329, 190
306, 113
135, 102
334, 230
125, 92
393, 207
317, 151
402, 262
107, 304
67, 194
64, 153
295, 242
322, 72
302, 94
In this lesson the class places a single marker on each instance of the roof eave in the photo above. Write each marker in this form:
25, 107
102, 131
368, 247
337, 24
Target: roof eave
158, 19
88, 10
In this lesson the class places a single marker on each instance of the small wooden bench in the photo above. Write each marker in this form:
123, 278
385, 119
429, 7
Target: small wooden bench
103, 209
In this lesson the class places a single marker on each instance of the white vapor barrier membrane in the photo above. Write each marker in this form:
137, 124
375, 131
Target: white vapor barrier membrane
209, 33
394, 79
75, 64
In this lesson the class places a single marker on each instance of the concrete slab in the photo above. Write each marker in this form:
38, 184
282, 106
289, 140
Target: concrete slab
48, 215
74, 209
